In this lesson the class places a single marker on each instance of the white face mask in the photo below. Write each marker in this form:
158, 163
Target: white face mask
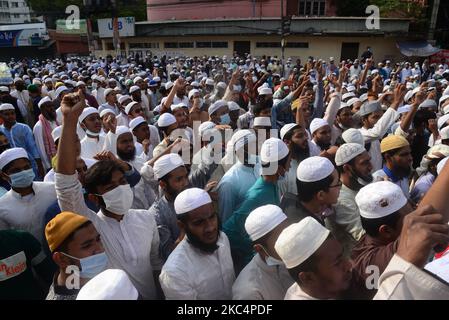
93, 134
119, 200
270, 261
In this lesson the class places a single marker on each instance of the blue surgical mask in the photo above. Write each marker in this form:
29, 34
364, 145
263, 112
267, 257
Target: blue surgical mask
91, 266
22, 179
225, 119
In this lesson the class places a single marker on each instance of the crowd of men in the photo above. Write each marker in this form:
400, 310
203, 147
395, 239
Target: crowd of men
224, 178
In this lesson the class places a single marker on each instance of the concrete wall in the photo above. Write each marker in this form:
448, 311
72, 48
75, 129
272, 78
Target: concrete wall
319, 47
159, 10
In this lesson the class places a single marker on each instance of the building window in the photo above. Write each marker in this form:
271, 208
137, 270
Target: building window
303, 45
268, 44
186, 45
4, 4
14, 4
150, 45
203, 44
16, 15
219, 44
4, 15
312, 7
170, 45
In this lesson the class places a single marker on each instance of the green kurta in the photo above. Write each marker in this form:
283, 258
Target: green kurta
261, 193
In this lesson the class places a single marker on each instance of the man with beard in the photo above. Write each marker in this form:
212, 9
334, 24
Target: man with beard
130, 237
5, 97
315, 261
145, 99
93, 142
398, 162
172, 176
321, 134
121, 143
241, 176
201, 266
47, 89
42, 131
354, 165
296, 139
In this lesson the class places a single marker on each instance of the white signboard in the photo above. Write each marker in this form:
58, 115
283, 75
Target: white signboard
125, 27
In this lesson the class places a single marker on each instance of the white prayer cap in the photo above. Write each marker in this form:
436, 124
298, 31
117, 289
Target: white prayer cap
300, 241
380, 199
169, 85
133, 89
348, 95
221, 85
123, 98
264, 91
364, 97
404, 109
343, 105
157, 79
108, 91
10, 155
233, 106
137, 79
446, 109
47, 80
444, 133
129, 106
4, 89
316, 124
111, 284
56, 133
173, 107
191, 199
217, 105
134, 123
242, 137
348, 151
195, 84
87, 112
37, 81
314, 169
262, 220
6, 106
442, 120
209, 82
165, 120
192, 93
105, 112
273, 150
43, 100
166, 164
262, 122
443, 98
441, 165
236, 88
121, 130
410, 94
207, 125
80, 83
350, 88
286, 128
353, 136
60, 90
428, 103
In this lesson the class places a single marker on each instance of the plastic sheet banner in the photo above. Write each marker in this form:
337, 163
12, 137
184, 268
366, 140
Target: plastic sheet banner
417, 49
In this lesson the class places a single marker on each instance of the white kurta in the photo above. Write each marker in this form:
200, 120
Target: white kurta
376, 133
190, 274
91, 146
39, 138
259, 281
99, 95
295, 293
27, 213
401, 280
131, 244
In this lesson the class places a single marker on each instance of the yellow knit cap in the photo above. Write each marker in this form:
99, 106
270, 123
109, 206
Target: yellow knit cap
393, 142
61, 227
58, 84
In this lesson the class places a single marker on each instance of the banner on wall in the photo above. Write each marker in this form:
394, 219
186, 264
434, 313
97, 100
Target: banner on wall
125, 26
22, 35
